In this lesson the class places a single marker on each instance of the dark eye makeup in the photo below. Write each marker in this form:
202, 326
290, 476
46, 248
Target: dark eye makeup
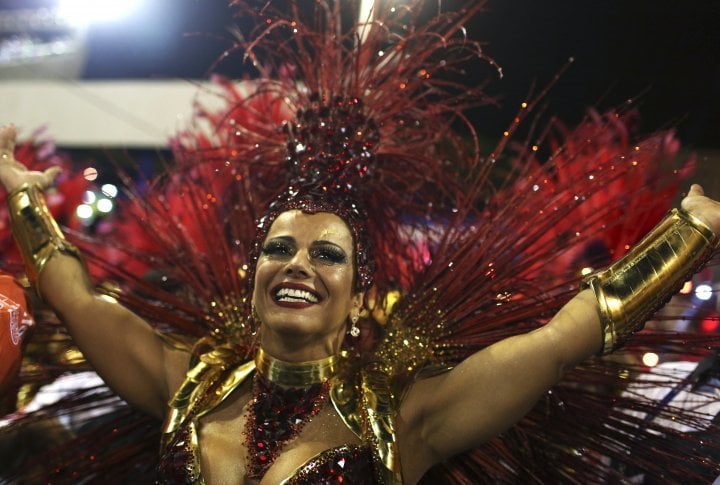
328, 253
323, 251
278, 247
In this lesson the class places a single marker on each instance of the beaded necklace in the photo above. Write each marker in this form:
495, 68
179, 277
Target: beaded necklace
286, 396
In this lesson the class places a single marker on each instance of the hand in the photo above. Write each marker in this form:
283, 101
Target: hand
13, 173
703, 207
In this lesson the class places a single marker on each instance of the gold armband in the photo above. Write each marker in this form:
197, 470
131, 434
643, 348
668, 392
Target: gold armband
37, 234
636, 286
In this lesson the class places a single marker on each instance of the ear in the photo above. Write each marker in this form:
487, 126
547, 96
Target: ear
357, 303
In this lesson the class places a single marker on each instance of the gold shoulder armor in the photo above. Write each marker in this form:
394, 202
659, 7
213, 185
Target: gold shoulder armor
367, 404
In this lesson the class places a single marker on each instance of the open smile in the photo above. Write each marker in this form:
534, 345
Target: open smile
295, 295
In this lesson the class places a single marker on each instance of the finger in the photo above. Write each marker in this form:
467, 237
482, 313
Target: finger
8, 133
49, 176
696, 190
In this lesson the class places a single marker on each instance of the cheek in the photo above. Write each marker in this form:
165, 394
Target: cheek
263, 273
341, 282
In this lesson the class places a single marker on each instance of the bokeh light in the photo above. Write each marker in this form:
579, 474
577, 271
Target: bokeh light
703, 292
650, 359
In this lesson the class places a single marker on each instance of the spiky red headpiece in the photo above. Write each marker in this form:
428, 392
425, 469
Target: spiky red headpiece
334, 121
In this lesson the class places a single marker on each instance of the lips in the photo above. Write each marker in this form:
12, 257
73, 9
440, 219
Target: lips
295, 295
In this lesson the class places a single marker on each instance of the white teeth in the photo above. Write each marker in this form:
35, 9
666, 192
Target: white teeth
292, 294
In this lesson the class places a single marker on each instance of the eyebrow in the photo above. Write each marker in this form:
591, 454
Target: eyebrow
325, 241
317, 242
292, 239
282, 238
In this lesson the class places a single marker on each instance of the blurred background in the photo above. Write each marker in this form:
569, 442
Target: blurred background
662, 52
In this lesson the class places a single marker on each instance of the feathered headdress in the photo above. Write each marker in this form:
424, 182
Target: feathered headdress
353, 108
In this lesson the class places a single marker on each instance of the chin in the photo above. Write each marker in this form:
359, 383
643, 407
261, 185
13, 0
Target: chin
291, 324
293, 328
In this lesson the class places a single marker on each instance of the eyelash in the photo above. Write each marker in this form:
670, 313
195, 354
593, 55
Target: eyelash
276, 248
326, 254
329, 254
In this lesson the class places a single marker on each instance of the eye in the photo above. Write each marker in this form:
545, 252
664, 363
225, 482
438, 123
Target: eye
329, 253
277, 247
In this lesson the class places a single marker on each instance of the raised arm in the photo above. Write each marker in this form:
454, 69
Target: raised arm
123, 348
494, 388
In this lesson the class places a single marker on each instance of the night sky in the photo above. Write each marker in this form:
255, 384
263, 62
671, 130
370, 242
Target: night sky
664, 53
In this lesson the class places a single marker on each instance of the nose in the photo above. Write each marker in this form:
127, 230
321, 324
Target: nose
299, 265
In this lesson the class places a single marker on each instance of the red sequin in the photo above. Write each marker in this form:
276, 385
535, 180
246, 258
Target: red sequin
277, 415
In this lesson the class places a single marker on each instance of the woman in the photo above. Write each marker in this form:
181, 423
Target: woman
295, 406
306, 288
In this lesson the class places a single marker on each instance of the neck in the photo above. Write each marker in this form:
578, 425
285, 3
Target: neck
300, 346
295, 374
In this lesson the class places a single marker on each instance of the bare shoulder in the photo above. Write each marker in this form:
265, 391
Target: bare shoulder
416, 452
177, 365
420, 393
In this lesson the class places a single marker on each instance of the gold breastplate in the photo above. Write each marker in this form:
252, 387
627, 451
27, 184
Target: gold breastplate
363, 399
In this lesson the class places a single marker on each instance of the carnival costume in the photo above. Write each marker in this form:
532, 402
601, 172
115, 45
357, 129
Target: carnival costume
457, 247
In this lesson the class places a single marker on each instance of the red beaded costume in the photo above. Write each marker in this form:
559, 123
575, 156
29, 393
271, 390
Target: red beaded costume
470, 246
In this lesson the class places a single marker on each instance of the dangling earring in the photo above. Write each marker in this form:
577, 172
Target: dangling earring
354, 329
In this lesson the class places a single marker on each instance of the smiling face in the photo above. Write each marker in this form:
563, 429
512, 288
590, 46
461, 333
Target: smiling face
304, 279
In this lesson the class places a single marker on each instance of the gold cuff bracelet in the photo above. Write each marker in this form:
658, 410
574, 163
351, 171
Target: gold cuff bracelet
37, 234
637, 285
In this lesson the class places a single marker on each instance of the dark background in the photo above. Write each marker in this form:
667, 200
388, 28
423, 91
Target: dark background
663, 53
